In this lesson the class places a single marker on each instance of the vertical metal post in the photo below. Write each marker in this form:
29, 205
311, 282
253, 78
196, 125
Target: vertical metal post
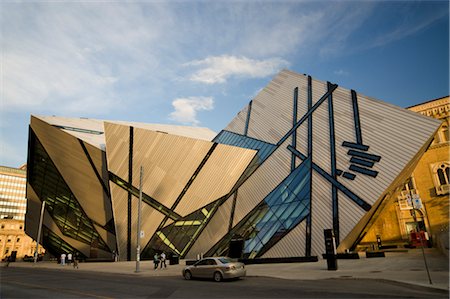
138, 234
421, 243
39, 232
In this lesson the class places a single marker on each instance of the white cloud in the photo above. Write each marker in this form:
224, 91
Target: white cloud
186, 109
77, 58
218, 69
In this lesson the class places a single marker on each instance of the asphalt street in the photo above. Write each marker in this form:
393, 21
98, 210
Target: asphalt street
57, 283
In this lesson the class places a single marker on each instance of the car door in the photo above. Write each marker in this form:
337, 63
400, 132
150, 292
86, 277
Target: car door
210, 268
199, 268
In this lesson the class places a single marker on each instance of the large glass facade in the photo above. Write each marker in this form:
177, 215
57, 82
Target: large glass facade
55, 245
285, 207
178, 237
61, 204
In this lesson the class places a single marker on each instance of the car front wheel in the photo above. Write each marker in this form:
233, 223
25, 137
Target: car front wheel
187, 275
217, 276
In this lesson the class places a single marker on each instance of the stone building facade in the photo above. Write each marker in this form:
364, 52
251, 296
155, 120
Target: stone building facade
430, 181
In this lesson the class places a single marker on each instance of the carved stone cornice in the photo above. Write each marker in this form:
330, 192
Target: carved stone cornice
439, 108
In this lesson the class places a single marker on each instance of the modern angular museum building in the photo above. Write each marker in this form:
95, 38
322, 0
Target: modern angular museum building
302, 156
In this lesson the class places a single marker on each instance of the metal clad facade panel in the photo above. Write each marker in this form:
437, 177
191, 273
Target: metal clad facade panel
96, 140
150, 219
263, 180
293, 244
109, 238
69, 158
217, 177
321, 138
97, 157
33, 212
349, 214
214, 231
117, 148
119, 199
169, 161
271, 114
321, 212
238, 123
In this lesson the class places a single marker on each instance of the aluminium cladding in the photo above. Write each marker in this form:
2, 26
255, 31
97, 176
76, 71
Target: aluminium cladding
302, 156
92, 130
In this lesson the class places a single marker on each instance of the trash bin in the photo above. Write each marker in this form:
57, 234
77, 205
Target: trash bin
174, 259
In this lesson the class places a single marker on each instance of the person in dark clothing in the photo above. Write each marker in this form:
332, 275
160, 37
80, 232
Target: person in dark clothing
156, 261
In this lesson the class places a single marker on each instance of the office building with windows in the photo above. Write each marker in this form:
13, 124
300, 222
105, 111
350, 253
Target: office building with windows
13, 240
302, 156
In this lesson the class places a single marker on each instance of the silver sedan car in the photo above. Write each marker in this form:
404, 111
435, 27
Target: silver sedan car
217, 268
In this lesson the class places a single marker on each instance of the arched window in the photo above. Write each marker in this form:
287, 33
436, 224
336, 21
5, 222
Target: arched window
441, 177
443, 174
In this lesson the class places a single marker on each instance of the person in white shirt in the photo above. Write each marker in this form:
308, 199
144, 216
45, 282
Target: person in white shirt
69, 258
63, 259
163, 260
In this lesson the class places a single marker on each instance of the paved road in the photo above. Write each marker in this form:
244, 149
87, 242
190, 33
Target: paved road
54, 283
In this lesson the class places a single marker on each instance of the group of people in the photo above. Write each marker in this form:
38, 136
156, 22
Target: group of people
69, 259
159, 260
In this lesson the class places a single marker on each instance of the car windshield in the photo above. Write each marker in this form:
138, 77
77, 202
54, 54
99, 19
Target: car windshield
225, 260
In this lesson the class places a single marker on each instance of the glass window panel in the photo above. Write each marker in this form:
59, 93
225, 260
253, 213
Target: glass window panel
303, 195
249, 244
266, 218
298, 185
264, 229
255, 250
298, 214
273, 228
281, 209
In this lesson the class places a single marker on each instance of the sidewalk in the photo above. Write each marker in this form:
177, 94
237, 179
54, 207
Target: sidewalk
407, 267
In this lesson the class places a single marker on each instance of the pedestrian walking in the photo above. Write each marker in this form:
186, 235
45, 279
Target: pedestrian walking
75, 260
63, 259
162, 258
69, 259
156, 261
8, 260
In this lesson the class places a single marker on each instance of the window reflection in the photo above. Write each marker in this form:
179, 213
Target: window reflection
285, 207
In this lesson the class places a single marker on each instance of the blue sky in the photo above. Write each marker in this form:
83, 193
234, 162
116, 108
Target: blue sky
199, 62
